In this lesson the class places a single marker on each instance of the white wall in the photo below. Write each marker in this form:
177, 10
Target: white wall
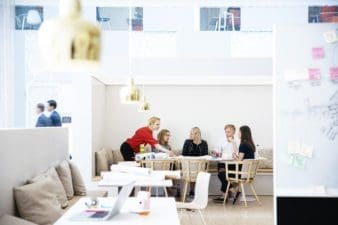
183, 107
98, 117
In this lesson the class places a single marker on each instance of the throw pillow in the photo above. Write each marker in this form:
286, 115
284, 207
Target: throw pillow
65, 176
60, 191
78, 183
37, 202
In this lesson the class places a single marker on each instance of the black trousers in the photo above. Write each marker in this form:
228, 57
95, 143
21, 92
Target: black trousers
221, 175
127, 152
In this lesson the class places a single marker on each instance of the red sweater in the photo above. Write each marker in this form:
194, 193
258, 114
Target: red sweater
144, 135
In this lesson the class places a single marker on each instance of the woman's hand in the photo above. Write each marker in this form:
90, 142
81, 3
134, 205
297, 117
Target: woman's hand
234, 156
171, 153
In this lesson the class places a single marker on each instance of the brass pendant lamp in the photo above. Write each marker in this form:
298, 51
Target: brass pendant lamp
130, 94
69, 40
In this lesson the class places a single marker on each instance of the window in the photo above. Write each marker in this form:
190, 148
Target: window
28, 17
117, 18
220, 19
323, 14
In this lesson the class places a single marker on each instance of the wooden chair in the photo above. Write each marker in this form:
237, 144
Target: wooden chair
190, 168
244, 172
158, 164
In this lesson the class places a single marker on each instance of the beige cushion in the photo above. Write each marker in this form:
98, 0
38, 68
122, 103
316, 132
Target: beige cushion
268, 163
65, 176
101, 161
12, 220
37, 202
110, 156
60, 191
78, 183
117, 156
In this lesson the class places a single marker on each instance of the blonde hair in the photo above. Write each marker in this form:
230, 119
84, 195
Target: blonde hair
231, 126
153, 120
198, 134
160, 136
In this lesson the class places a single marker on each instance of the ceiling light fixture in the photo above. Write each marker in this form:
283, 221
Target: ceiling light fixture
130, 93
69, 40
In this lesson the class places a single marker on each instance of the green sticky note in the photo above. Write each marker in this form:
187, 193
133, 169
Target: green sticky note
299, 162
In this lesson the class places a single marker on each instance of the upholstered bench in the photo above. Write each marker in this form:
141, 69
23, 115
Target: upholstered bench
45, 197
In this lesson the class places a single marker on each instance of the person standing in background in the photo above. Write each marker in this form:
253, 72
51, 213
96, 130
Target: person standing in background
54, 116
43, 120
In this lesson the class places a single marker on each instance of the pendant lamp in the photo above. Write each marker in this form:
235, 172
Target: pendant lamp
144, 105
130, 93
69, 40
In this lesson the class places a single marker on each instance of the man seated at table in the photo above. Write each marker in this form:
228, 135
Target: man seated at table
228, 148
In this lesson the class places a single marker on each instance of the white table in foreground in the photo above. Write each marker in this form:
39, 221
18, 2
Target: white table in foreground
162, 211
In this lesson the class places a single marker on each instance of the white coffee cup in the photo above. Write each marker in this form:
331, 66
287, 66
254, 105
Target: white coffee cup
143, 200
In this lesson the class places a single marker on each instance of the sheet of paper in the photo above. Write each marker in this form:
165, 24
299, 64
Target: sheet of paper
299, 162
306, 150
334, 73
318, 53
296, 75
314, 74
294, 147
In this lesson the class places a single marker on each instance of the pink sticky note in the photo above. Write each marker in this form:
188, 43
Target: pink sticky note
318, 53
334, 73
314, 74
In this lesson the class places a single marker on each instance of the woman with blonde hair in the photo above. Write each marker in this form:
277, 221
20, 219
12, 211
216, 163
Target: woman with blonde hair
195, 145
142, 136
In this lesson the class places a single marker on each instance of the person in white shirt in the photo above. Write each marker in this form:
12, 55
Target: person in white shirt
229, 150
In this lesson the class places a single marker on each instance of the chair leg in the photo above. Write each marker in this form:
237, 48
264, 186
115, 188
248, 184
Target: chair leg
226, 192
185, 190
243, 194
254, 191
202, 217
165, 191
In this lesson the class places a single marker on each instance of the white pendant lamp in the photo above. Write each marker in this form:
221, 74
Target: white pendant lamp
69, 40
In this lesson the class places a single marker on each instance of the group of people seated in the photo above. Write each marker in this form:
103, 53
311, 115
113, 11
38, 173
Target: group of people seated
194, 146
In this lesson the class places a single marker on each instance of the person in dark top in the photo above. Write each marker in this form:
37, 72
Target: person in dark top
43, 120
195, 146
246, 149
54, 116
143, 135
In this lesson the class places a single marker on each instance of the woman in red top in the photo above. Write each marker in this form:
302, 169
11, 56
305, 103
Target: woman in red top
143, 135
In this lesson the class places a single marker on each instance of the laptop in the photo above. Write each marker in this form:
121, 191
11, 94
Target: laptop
106, 214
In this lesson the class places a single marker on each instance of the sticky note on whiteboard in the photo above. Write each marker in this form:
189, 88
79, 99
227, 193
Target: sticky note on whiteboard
334, 73
294, 147
306, 150
318, 53
296, 75
314, 74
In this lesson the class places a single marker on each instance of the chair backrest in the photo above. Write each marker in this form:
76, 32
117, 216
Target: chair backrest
158, 164
202, 190
191, 167
241, 171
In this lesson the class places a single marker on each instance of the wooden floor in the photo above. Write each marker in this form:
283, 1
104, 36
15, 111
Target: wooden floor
218, 214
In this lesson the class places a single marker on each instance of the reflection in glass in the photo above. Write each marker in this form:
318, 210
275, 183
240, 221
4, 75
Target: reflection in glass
220, 19
28, 17
117, 18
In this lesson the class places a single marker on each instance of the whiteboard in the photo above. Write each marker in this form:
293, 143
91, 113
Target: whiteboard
306, 110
